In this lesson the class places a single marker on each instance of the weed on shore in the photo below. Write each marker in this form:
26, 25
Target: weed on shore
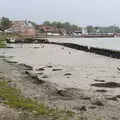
12, 97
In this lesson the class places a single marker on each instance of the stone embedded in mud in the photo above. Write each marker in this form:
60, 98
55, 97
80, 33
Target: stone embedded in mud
1, 56
31, 74
108, 84
118, 68
12, 62
99, 80
56, 69
45, 76
36, 47
115, 118
68, 77
39, 81
98, 103
27, 67
61, 92
40, 69
49, 66
68, 93
118, 96
41, 73
114, 98
2, 77
1, 99
67, 74
102, 91
83, 108
92, 107
85, 98
34, 76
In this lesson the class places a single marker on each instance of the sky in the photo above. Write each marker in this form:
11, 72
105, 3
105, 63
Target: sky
80, 12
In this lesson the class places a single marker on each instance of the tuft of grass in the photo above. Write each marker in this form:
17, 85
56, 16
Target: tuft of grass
2, 40
2, 44
13, 98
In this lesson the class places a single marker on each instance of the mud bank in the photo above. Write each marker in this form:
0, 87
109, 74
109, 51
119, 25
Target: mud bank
64, 66
90, 104
86, 105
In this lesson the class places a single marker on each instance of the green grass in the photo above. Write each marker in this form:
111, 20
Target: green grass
2, 40
2, 44
14, 99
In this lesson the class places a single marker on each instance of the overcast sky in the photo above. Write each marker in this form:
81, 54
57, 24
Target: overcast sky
81, 12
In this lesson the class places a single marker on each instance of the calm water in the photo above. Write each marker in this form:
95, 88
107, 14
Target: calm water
109, 43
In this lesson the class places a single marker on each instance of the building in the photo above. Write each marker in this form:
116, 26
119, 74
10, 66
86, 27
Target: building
49, 30
23, 28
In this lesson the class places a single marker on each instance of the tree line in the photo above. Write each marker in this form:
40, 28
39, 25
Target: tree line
62, 25
100, 29
6, 23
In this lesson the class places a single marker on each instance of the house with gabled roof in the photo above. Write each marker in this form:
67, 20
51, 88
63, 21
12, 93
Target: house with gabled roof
24, 28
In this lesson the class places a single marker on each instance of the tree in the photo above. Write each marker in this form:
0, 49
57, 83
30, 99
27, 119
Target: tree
62, 26
67, 27
90, 29
47, 23
57, 24
5, 23
34, 25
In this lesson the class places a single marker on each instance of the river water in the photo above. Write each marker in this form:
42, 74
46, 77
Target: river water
109, 43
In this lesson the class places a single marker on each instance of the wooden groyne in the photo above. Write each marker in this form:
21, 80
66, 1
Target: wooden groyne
100, 51
106, 52
72, 45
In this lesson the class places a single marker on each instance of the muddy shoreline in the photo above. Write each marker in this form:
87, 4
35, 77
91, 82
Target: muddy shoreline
90, 104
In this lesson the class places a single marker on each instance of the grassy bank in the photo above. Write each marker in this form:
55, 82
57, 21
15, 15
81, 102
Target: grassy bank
13, 98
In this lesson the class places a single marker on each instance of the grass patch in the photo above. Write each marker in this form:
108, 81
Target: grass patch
14, 99
2, 44
2, 40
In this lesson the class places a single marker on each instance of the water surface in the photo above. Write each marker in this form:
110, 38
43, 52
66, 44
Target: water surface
109, 43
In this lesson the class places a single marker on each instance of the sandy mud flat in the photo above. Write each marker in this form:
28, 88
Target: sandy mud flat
65, 78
